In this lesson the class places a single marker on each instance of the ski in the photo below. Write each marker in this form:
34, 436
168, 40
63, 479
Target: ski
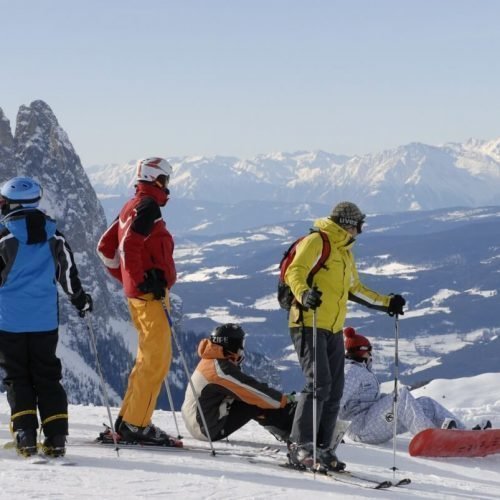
401, 482
266, 451
344, 477
35, 460
348, 477
60, 461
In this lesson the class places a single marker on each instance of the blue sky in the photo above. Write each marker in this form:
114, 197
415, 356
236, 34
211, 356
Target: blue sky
128, 79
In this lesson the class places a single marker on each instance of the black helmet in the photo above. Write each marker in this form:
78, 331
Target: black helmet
230, 336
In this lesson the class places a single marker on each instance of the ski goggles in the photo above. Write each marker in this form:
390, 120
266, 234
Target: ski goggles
361, 348
348, 222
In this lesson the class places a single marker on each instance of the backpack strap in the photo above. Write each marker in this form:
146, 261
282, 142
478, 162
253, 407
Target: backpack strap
325, 253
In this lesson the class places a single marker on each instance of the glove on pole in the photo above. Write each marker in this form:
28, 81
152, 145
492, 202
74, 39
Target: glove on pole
103, 385
183, 359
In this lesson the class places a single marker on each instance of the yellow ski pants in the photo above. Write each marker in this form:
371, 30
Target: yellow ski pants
154, 355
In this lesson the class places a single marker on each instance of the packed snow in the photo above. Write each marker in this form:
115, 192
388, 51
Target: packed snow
188, 475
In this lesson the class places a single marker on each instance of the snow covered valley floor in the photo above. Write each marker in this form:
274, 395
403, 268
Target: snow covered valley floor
138, 474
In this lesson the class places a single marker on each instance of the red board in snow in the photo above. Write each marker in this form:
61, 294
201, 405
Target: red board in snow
455, 443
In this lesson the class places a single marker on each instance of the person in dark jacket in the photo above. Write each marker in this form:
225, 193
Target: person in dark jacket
137, 249
34, 256
228, 397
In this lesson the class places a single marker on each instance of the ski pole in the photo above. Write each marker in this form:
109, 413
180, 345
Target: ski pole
103, 385
191, 385
172, 409
315, 395
395, 398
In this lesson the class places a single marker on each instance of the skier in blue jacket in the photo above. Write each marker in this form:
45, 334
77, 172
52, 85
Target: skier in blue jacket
370, 411
34, 256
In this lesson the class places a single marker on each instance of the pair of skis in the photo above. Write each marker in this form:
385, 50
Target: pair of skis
266, 457
353, 478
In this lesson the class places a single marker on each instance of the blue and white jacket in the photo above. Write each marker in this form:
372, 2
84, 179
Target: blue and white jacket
34, 256
361, 390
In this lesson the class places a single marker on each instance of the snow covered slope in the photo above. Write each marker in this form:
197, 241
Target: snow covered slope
194, 476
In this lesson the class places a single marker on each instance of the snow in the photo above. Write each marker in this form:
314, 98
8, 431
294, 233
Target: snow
267, 303
207, 274
192, 476
403, 271
222, 315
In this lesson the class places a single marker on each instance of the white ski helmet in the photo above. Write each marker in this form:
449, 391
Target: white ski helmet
149, 169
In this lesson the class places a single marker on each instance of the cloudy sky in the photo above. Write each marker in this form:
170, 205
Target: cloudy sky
128, 79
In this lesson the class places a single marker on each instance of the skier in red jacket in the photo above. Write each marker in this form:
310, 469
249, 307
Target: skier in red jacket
137, 249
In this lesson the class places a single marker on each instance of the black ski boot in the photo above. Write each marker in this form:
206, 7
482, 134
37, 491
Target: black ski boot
26, 442
329, 461
54, 446
149, 435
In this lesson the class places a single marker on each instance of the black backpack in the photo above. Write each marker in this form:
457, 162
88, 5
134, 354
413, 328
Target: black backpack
285, 295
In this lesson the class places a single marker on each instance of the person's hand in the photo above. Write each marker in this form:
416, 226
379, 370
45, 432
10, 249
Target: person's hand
83, 302
154, 283
312, 298
291, 398
396, 305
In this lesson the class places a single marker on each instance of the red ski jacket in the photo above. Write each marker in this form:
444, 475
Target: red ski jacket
138, 241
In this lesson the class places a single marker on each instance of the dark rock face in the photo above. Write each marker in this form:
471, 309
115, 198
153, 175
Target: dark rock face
41, 149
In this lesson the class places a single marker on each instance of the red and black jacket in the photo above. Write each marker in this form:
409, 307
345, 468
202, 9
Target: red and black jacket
138, 241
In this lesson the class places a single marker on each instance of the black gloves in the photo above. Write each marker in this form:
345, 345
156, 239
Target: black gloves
312, 298
154, 283
83, 302
396, 305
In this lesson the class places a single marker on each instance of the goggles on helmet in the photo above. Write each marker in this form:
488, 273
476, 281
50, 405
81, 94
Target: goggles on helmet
364, 348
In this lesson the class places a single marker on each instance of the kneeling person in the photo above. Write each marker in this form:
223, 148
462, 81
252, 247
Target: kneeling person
228, 397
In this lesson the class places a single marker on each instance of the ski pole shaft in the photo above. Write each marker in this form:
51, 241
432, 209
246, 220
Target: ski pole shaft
395, 397
315, 395
103, 384
171, 403
191, 385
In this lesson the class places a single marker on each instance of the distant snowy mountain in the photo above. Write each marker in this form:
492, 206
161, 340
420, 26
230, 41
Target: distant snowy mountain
411, 177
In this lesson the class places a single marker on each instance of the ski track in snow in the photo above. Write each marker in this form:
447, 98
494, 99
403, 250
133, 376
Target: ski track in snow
138, 474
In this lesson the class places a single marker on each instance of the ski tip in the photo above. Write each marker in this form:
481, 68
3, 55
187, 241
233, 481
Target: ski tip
383, 485
403, 482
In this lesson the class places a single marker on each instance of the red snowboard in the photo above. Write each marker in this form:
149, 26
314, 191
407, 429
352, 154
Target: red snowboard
455, 443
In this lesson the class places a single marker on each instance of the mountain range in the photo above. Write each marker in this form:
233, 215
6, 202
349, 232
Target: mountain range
232, 219
411, 177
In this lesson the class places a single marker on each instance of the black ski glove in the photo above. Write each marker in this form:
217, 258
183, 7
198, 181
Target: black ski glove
312, 298
396, 305
83, 302
154, 283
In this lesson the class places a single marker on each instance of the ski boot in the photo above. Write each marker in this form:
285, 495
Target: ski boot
26, 442
149, 435
54, 446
